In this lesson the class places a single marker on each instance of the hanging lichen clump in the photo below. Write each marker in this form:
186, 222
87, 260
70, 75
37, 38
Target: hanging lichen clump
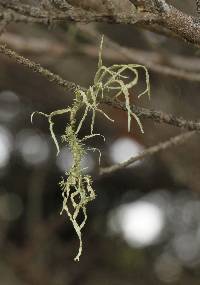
77, 188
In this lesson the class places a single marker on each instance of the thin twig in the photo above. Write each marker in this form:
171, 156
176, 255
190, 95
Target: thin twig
156, 116
39, 15
150, 60
36, 67
185, 26
186, 68
162, 14
177, 140
142, 112
34, 45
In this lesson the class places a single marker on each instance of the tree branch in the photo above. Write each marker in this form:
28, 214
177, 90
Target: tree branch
148, 13
185, 26
39, 15
156, 116
149, 59
173, 65
36, 67
177, 140
141, 112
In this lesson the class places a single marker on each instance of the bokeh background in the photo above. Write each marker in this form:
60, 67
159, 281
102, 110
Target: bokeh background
144, 226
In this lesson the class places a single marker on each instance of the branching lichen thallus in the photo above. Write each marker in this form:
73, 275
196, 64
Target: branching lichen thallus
77, 188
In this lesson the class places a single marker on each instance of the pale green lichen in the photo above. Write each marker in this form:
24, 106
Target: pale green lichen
77, 188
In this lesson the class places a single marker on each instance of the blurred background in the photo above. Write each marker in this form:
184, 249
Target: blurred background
144, 225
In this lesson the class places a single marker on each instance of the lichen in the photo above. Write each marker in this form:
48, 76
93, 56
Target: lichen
77, 190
